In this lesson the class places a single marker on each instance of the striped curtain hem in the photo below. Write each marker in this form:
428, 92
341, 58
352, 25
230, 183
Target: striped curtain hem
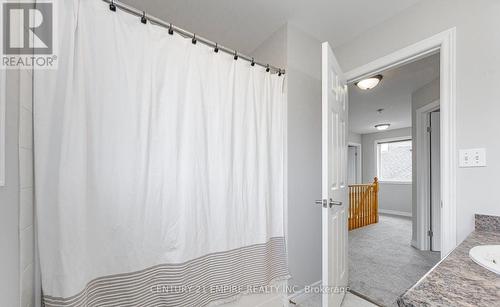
220, 276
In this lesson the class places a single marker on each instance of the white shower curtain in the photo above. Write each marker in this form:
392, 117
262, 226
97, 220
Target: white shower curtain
158, 165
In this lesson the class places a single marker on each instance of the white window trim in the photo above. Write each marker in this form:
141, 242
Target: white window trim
377, 158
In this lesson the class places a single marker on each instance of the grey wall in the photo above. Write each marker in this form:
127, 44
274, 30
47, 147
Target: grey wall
421, 97
9, 198
393, 197
354, 138
304, 156
478, 76
273, 49
303, 63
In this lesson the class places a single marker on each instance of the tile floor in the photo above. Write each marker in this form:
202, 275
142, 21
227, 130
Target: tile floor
350, 300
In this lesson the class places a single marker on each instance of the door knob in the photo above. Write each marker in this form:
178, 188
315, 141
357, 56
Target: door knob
334, 203
328, 203
322, 202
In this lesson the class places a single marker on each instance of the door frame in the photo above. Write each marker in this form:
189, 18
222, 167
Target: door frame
359, 161
422, 159
445, 44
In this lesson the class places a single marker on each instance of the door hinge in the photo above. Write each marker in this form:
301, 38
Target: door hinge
430, 233
429, 129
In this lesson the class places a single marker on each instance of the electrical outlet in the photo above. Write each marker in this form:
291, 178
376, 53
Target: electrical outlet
472, 157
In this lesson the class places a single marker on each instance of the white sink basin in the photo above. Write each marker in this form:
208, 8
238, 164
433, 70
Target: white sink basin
487, 256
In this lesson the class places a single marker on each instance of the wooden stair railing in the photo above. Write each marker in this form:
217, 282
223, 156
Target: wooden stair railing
363, 204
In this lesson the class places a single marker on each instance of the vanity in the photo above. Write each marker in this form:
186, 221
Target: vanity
457, 280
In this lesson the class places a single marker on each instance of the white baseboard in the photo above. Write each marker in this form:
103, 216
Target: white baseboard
297, 295
395, 212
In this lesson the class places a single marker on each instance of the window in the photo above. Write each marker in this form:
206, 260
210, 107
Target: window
394, 161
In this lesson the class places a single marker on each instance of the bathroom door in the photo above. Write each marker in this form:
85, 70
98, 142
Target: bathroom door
334, 200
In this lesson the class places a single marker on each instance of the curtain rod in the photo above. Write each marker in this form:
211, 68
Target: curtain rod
194, 38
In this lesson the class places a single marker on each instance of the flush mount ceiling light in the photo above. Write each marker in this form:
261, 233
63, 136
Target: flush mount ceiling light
382, 126
369, 83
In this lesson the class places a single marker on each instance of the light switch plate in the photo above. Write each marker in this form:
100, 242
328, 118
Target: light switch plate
475, 157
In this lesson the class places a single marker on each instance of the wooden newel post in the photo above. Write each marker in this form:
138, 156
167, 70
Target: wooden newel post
375, 188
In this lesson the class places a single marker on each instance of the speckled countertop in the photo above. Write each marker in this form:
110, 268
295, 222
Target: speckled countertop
457, 280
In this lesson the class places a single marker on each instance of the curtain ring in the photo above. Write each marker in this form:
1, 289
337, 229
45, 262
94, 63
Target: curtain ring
194, 39
144, 20
253, 62
279, 72
170, 30
112, 6
235, 55
216, 49
267, 68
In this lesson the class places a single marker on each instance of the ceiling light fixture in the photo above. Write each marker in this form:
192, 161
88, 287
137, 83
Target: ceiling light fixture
369, 83
382, 126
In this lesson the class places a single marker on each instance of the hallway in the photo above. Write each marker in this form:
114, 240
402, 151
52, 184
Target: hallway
382, 263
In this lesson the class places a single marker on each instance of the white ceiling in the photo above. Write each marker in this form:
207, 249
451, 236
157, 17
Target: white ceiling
393, 95
244, 24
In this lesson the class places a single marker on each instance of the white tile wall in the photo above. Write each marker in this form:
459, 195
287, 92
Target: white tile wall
26, 122
26, 206
25, 167
27, 287
27, 247
27, 267
26, 90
